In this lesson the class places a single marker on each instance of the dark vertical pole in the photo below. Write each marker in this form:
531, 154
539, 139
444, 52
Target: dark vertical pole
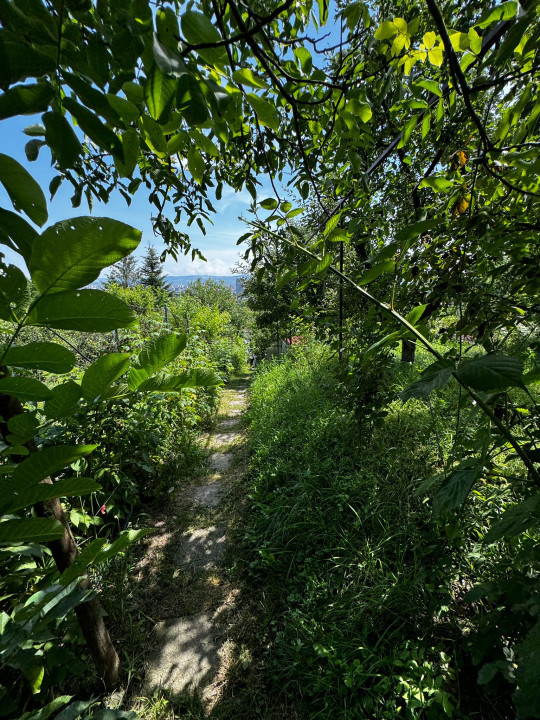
341, 302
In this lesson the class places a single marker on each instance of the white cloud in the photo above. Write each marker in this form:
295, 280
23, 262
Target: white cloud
219, 262
231, 198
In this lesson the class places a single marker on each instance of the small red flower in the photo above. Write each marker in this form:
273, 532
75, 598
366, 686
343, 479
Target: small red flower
103, 510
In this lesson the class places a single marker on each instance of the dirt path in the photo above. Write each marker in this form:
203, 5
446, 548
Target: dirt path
191, 644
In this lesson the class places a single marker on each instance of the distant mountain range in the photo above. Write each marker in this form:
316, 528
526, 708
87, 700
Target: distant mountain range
185, 280
179, 282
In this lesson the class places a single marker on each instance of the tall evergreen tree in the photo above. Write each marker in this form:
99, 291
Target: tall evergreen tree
151, 272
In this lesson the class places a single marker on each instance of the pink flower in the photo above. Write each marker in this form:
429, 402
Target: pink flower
103, 510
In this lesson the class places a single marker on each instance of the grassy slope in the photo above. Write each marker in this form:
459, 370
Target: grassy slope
363, 588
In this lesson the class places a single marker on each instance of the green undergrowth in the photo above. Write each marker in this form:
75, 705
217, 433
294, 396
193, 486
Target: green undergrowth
364, 590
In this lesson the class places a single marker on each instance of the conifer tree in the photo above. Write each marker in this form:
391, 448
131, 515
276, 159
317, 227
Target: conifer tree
151, 272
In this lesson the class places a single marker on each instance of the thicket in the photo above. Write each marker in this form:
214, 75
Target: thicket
374, 605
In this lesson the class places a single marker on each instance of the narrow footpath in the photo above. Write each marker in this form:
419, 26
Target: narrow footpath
191, 648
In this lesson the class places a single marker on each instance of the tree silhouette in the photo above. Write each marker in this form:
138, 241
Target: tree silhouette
151, 272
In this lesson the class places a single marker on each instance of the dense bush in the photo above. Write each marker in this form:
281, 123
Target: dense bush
138, 446
375, 606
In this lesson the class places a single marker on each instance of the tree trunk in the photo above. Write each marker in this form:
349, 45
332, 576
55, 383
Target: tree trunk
408, 350
64, 551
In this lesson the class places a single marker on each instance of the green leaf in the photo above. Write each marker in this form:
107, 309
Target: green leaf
102, 374
438, 184
19, 61
504, 11
460, 41
17, 233
153, 135
130, 143
134, 92
246, 77
323, 265
97, 59
30, 530
32, 148
23, 190
196, 165
13, 291
323, 11
75, 710
177, 143
417, 228
364, 112
46, 461
25, 100
167, 27
82, 561
456, 487
125, 539
475, 41
198, 30
376, 271
416, 313
83, 310
384, 342
62, 139
64, 400
511, 41
386, 30
24, 425
34, 130
410, 125
516, 520
92, 126
156, 354
269, 204
332, 223
25, 389
266, 113
159, 92
72, 253
339, 235
35, 674
434, 377
167, 59
204, 143
492, 372
284, 278
66, 487
128, 111
430, 85
304, 56
191, 101
47, 356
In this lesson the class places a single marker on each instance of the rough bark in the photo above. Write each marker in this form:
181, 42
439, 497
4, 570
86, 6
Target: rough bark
408, 351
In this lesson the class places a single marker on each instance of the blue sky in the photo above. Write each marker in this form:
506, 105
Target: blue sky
218, 246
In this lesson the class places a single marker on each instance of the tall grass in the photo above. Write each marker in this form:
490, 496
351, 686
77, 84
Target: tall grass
363, 588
